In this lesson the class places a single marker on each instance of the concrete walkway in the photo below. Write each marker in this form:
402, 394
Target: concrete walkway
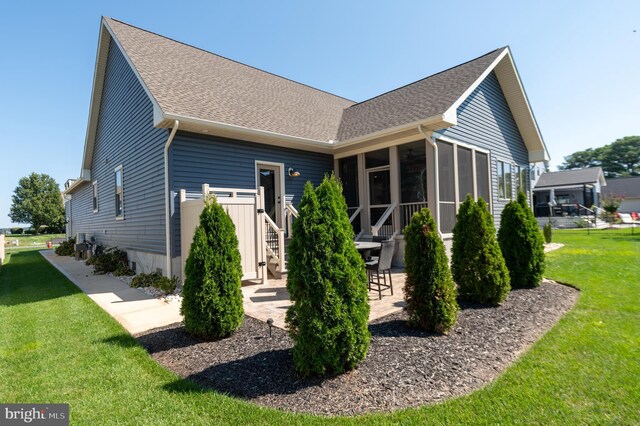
139, 312
133, 308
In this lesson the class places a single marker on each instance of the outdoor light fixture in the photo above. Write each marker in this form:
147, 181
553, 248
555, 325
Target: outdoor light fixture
270, 324
293, 172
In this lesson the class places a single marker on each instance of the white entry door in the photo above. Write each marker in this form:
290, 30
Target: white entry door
271, 177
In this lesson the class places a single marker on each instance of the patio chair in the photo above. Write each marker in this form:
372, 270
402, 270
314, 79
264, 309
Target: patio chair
375, 253
378, 269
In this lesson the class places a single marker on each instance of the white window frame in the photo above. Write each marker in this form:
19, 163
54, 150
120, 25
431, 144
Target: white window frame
508, 196
520, 182
115, 172
95, 204
473, 149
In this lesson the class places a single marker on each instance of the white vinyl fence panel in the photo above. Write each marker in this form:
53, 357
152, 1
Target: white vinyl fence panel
242, 206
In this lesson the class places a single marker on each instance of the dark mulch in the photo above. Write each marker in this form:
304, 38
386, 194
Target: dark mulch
404, 367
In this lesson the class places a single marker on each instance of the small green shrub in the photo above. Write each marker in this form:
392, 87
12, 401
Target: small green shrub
156, 280
580, 223
212, 296
66, 248
111, 260
477, 264
429, 289
30, 231
548, 232
522, 244
327, 284
16, 231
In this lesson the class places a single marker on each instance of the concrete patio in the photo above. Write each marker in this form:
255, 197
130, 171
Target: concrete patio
272, 300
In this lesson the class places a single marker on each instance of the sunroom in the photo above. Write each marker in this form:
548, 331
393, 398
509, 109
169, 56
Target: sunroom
383, 187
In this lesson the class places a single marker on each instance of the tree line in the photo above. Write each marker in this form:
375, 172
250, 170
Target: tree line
617, 159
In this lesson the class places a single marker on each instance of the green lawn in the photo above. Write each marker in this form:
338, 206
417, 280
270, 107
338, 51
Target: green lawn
57, 346
31, 240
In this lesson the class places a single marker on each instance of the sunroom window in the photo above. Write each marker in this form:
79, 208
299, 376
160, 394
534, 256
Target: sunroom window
413, 179
463, 170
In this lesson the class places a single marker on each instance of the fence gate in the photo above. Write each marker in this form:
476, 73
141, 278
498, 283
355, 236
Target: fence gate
242, 205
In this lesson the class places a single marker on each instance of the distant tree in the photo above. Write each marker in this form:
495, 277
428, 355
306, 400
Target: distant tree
619, 158
37, 200
582, 159
622, 157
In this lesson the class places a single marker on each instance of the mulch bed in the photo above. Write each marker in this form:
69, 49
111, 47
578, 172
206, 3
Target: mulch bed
404, 367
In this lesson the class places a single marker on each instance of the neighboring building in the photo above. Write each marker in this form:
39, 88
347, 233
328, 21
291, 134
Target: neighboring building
166, 117
568, 190
628, 188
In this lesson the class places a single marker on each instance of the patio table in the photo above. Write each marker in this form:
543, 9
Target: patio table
367, 245
365, 248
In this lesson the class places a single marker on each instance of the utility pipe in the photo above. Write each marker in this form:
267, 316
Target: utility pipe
431, 142
167, 200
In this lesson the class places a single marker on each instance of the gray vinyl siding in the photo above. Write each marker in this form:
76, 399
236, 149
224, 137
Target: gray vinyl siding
227, 163
485, 120
125, 136
79, 205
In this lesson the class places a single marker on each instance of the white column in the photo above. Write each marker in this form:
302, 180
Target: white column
431, 180
363, 197
394, 180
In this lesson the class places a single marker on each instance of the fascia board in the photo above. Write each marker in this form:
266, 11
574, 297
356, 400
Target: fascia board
254, 135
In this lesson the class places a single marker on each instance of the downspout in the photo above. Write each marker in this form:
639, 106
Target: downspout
167, 200
431, 142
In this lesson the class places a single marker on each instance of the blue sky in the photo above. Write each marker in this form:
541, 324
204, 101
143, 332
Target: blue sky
579, 61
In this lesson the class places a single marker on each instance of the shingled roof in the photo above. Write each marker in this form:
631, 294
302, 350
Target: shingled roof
589, 175
207, 93
628, 187
190, 82
425, 98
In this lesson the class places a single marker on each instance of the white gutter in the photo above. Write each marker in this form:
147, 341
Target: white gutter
436, 119
167, 200
285, 140
431, 142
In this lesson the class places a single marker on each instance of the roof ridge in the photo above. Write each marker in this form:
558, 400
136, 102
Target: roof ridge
228, 59
427, 77
576, 170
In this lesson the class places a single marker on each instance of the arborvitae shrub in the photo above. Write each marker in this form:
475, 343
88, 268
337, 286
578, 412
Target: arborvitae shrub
327, 284
548, 233
522, 244
477, 264
429, 290
211, 295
